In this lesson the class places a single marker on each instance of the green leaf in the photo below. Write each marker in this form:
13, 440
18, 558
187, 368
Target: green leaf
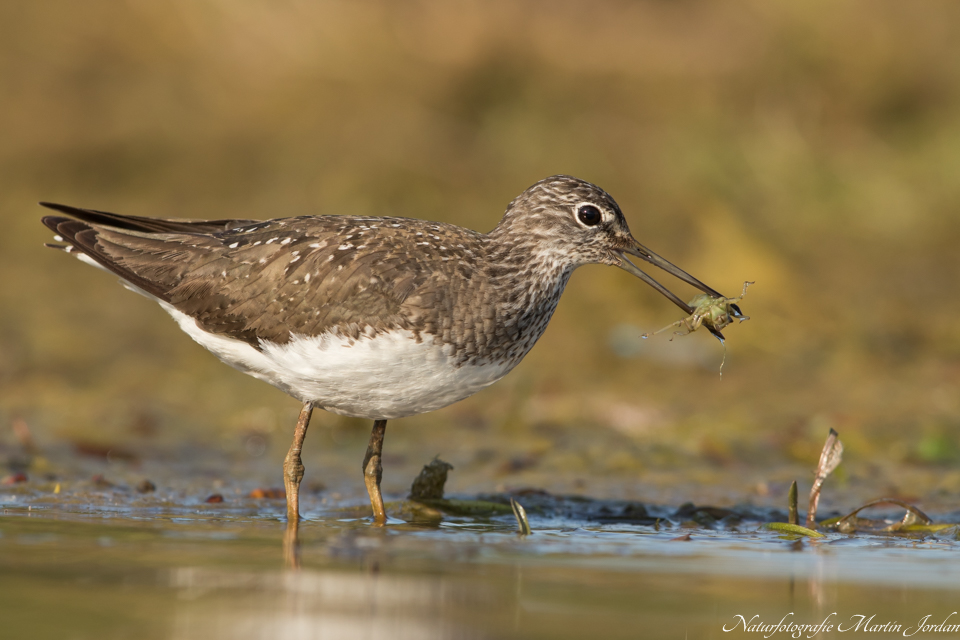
796, 529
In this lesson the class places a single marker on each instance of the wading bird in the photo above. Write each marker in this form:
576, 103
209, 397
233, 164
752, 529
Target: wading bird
376, 318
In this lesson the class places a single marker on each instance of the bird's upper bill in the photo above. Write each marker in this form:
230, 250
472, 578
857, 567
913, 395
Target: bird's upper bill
636, 249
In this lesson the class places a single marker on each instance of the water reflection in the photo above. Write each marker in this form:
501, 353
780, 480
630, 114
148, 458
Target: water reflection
291, 544
176, 575
314, 604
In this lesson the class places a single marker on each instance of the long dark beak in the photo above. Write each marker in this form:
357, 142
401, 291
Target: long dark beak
640, 251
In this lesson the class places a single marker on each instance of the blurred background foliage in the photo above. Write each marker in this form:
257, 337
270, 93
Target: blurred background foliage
811, 146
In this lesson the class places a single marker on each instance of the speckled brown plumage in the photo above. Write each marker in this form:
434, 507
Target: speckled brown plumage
489, 295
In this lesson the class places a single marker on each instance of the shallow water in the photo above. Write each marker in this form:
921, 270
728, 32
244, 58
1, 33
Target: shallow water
153, 567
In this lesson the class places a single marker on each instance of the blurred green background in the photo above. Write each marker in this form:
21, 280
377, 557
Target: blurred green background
810, 146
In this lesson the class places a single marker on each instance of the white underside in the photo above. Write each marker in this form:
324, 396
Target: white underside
382, 377
387, 376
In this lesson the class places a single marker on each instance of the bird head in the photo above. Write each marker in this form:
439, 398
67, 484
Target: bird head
575, 222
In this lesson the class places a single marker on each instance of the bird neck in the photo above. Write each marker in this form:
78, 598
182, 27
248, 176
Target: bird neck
514, 287
530, 273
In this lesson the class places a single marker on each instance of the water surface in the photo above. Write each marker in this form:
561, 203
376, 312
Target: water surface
154, 568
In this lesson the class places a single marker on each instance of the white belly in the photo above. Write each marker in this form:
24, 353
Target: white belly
382, 377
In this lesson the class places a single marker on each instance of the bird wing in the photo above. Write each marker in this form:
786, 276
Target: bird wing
269, 281
147, 225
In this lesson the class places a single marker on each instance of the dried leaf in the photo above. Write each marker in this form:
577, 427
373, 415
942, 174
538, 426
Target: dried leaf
913, 519
829, 459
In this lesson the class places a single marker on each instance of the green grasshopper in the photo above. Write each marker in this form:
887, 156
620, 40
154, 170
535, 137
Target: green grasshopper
715, 313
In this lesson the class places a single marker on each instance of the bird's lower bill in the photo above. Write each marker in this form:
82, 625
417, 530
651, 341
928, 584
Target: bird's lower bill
640, 251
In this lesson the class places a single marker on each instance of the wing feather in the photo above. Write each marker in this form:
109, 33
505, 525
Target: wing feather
268, 281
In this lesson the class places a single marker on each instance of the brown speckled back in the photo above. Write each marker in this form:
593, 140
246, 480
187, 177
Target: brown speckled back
488, 296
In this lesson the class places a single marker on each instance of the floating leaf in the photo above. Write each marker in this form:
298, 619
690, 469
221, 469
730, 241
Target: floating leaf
926, 528
795, 529
467, 507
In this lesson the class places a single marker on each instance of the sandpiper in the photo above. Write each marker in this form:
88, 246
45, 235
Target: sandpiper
376, 318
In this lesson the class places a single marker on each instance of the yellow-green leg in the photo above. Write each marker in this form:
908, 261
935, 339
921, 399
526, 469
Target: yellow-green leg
373, 471
293, 467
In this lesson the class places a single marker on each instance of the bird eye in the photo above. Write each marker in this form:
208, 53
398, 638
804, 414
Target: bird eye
589, 215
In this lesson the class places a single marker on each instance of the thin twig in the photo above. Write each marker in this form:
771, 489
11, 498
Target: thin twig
792, 506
